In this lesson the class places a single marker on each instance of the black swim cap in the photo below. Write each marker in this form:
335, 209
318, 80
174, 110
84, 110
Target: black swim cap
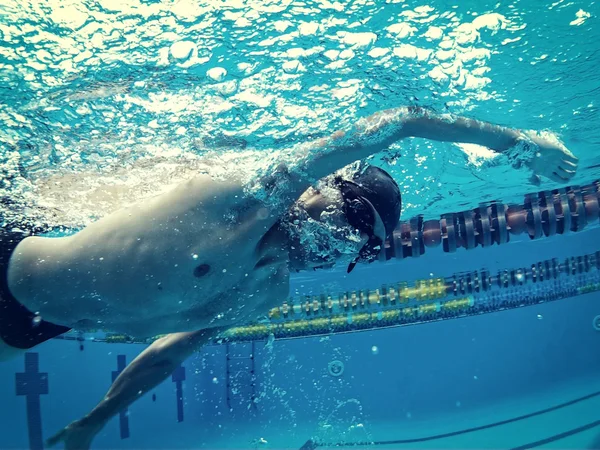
371, 189
383, 192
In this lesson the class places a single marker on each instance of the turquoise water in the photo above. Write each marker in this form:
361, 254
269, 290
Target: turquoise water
141, 94
89, 85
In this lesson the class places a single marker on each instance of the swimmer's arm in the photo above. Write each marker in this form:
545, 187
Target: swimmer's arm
423, 123
546, 157
148, 370
375, 133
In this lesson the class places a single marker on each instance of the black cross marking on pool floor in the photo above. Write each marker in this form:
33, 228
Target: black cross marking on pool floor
178, 377
32, 384
123, 417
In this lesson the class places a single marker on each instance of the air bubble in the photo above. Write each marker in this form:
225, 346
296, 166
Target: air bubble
262, 214
270, 341
292, 66
182, 50
520, 277
216, 73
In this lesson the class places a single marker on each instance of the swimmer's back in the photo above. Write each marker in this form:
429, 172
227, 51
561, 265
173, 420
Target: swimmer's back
122, 284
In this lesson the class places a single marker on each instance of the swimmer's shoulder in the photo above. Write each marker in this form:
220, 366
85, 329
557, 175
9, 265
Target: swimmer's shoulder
234, 198
215, 195
204, 186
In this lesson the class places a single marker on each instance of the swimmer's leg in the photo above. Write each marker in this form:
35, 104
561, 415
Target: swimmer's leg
148, 370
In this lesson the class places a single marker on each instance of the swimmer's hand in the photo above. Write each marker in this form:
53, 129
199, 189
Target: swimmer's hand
545, 155
548, 158
76, 436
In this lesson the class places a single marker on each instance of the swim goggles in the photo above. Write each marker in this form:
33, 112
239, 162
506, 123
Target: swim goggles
362, 215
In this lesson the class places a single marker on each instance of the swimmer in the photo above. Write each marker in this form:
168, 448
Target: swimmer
178, 264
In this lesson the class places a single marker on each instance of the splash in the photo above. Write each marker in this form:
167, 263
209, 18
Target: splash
92, 86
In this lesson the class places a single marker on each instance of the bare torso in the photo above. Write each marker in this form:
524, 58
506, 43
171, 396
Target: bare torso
221, 260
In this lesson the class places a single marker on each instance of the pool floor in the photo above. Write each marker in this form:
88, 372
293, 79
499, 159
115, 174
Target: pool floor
566, 416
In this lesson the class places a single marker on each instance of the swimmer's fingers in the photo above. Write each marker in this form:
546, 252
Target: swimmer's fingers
569, 164
567, 168
557, 178
569, 157
566, 173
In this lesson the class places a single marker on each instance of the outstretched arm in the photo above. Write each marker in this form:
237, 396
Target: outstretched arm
377, 132
544, 157
420, 122
149, 369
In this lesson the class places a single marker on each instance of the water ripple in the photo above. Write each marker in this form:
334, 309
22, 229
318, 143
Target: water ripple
86, 86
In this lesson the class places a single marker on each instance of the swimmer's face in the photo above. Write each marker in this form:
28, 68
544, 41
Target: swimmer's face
324, 237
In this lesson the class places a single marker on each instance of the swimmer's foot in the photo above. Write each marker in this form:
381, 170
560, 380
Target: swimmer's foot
76, 436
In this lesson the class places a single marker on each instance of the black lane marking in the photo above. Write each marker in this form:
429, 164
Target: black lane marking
472, 429
559, 436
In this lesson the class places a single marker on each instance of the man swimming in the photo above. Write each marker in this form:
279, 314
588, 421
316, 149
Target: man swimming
207, 254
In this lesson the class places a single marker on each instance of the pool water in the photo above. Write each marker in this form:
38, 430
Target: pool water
445, 384
104, 102
87, 86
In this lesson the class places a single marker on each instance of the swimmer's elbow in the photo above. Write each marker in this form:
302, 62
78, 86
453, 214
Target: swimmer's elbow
380, 130
412, 119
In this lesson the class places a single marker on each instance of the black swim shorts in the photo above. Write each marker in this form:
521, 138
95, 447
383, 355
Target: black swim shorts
19, 327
